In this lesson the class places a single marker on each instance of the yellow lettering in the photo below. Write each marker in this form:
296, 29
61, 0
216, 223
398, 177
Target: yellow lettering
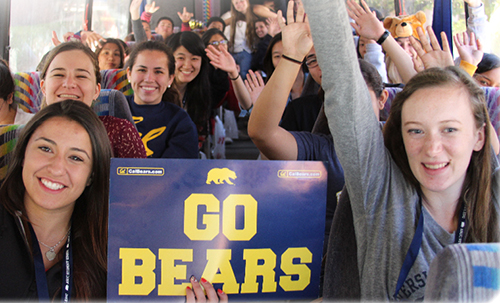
229, 217
302, 270
191, 217
170, 271
130, 271
218, 260
253, 269
154, 133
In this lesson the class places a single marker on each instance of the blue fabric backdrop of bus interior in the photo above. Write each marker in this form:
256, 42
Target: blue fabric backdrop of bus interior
147, 204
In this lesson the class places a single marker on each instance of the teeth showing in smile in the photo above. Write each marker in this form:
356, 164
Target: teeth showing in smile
186, 73
437, 166
51, 185
68, 96
148, 88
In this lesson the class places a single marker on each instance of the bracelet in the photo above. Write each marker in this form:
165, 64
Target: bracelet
291, 59
383, 37
234, 78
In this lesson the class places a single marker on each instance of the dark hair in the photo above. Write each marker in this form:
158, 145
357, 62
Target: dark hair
249, 18
165, 18
198, 92
489, 62
6, 81
217, 19
476, 190
372, 77
170, 95
268, 57
207, 35
89, 221
115, 42
69, 46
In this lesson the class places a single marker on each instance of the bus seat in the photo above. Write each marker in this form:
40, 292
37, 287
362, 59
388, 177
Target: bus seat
116, 79
28, 94
465, 273
112, 102
341, 282
8, 139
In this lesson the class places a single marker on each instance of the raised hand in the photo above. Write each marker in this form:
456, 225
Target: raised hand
135, 9
274, 27
151, 8
254, 84
222, 59
431, 53
185, 16
91, 39
196, 294
297, 40
55, 39
365, 23
470, 50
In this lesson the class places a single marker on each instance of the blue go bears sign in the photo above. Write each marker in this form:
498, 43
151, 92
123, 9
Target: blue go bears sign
253, 228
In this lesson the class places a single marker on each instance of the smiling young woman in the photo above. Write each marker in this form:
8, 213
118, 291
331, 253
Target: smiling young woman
72, 72
429, 180
53, 211
165, 128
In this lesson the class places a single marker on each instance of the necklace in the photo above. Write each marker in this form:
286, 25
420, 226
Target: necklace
51, 254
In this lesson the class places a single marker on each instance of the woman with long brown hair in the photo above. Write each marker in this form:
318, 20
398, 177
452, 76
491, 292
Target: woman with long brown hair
54, 207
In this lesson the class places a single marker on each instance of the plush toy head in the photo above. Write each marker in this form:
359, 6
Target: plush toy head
405, 26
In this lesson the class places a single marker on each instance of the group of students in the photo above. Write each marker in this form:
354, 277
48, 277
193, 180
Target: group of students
431, 171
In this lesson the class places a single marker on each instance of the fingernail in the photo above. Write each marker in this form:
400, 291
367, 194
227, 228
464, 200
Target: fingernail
187, 287
193, 279
220, 291
203, 280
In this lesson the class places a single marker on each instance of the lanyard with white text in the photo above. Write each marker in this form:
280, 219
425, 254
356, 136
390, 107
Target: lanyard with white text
416, 243
41, 278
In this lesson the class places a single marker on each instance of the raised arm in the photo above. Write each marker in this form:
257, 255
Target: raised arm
135, 16
223, 60
263, 127
367, 25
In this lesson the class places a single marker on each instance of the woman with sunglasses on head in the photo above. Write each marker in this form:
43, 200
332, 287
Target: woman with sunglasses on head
221, 59
431, 179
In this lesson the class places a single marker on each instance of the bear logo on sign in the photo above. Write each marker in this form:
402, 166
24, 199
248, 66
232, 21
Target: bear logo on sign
219, 175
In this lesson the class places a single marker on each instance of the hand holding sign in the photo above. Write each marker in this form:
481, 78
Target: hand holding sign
196, 293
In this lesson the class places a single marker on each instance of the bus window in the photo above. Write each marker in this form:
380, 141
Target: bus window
32, 23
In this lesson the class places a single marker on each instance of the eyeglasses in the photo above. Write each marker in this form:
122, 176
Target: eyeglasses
311, 61
217, 43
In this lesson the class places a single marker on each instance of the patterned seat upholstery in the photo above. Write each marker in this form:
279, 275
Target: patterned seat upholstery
116, 79
465, 273
28, 94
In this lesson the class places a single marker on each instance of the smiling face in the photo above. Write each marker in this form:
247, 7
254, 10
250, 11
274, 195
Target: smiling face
109, 57
149, 77
187, 65
261, 29
440, 134
240, 5
57, 166
70, 75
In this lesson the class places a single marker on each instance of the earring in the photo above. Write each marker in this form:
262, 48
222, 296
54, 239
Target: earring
168, 86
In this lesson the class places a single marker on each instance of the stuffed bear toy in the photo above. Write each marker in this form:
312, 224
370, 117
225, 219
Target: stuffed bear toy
405, 26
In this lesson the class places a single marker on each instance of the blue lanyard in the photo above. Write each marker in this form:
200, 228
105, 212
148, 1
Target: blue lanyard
416, 243
41, 277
